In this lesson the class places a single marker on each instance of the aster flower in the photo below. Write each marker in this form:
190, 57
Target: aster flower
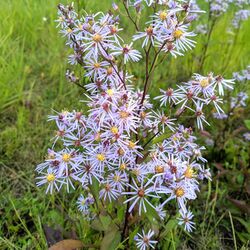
88, 173
129, 54
149, 35
220, 116
84, 203
182, 40
200, 118
118, 180
187, 95
50, 179
222, 83
164, 121
109, 192
242, 76
246, 136
140, 194
181, 192
240, 15
171, 48
144, 241
185, 220
202, 85
97, 156
96, 43
169, 96
95, 69
119, 145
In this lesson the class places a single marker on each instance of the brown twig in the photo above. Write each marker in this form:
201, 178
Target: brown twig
129, 15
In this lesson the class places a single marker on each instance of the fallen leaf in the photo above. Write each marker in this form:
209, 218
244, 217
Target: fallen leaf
52, 235
67, 245
242, 205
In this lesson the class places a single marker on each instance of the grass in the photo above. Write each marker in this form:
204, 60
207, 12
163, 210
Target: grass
32, 83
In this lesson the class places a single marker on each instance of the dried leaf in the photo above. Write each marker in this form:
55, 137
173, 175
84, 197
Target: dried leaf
247, 188
219, 166
205, 134
67, 245
52, 235
242, 205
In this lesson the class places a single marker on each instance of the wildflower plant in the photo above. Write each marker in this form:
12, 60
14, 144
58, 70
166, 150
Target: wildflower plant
131, 161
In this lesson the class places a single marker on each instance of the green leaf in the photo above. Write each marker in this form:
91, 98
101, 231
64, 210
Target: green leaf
151, 214
97, 225
168, 227
240, 178
133, 234
120, 214
105, 220
246, 224
95, 188
111, 240
244, 237
247, 123
161, 137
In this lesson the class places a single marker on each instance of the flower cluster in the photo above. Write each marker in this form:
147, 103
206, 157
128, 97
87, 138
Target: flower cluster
130, 151
242, 76
197, 93
218, 7
240, 15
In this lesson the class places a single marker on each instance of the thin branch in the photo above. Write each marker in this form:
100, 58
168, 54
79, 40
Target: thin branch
129, 15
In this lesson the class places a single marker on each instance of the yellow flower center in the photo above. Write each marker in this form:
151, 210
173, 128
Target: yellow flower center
149, 31
65, 112
178, 34
66, 157
121, 151
159, 169
163, 15
123, 166
113, 29
50, 177
131, 145
107, 187
143, 115
69, 30
136, 172
175, 138
97, 65
124, 114
97, 38
114, 130
110, 92
117, 178
141, 193
109, 70
179, 192
146, 240
100, 157
189, 173
204, 82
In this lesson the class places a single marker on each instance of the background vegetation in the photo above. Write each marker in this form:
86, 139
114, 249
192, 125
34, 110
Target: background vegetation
32, 83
